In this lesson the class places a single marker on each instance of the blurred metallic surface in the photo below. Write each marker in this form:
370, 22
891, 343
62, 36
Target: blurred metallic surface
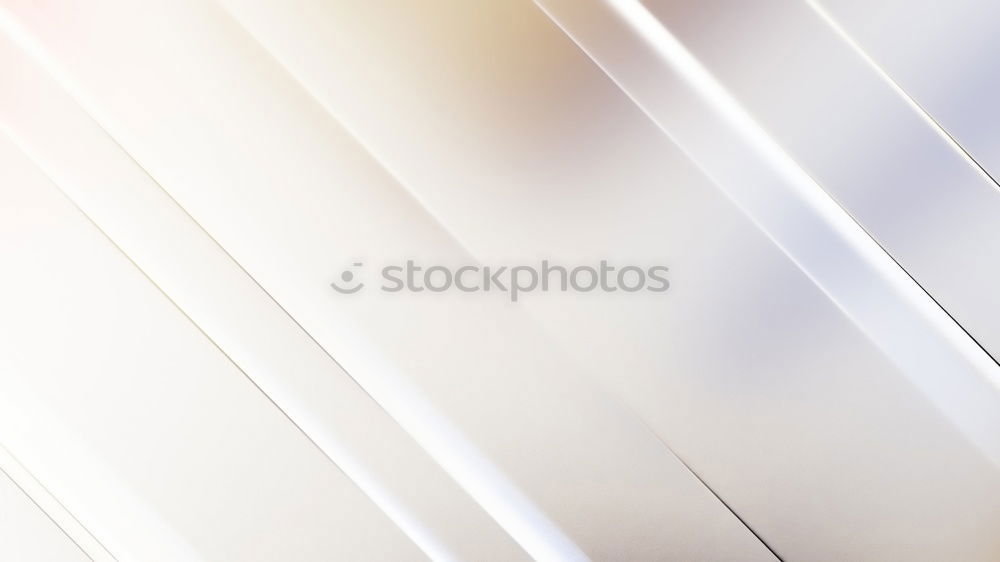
183, 179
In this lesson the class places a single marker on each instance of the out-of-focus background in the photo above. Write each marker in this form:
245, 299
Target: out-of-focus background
182, 180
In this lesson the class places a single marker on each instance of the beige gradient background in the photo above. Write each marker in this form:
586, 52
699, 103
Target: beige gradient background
180, 181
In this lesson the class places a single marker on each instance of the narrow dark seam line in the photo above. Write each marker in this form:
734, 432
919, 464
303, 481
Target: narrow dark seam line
670, 450
949, 136
59, 503
725, 504
673, 453
854, 44
615, 397
899, 265
306, 332
660, 128
47, 515
731, 509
